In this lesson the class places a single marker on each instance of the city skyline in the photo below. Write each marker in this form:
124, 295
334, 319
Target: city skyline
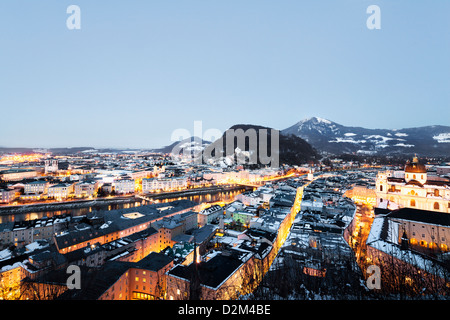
319, 168
136, 72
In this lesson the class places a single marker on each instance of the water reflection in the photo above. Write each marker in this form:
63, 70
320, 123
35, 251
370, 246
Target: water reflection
219, 196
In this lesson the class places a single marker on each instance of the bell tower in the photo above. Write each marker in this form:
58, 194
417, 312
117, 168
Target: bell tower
381, 187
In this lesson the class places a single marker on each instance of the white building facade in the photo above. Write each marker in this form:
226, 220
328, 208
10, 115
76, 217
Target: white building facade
413, 188
124, 186
163, 184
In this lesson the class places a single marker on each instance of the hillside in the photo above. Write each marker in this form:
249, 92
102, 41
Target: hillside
292, 149
331, 137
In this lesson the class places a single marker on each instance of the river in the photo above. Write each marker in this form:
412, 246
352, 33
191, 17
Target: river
133, 202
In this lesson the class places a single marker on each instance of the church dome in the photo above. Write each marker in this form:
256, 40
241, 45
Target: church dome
415, 167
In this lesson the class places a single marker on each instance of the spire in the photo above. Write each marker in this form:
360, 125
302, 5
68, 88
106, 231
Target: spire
194, 287
404, 241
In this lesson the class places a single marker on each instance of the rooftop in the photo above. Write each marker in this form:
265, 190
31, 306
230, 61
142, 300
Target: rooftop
214, 271
425, 216
98, 280
121, 219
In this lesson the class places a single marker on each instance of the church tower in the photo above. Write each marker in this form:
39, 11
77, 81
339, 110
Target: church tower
381, 187
415, 171
51, 166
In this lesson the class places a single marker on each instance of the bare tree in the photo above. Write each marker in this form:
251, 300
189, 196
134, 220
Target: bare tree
9, 290
34, 290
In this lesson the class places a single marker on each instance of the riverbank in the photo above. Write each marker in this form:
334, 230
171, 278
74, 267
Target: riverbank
53, 206
102, 202
192, 192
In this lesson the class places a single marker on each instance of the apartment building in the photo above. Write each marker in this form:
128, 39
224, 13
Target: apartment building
35, 190
164, 184
7, 195
411, 243
124, 186
20, 233
223, 277
428, 229
85, 189
36, 187
61, 191
126, 222
210, 215
17, 174
120, 280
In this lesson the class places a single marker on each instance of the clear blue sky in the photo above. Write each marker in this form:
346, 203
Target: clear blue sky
138, 70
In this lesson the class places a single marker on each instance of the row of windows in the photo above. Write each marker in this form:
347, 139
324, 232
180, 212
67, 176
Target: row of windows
436, 205
414, 176
393, 189
126, 289
412, 203
432, 237
430, 245
142, 296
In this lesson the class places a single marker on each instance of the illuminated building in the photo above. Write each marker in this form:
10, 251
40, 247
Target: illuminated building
7, 196
411, 243
85, 189
36, 187
127, 222
21, 158
35, 190
254, 198
124, 186
362, 195
222, 277
61, 191
51, 166
413, 188
164, 184
17, 174
116, 280
20, 233
10, 278
428, 229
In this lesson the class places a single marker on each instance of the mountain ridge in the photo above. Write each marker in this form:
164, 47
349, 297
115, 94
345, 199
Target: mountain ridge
330, 137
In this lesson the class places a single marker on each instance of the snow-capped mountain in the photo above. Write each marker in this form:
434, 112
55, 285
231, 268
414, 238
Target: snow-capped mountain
331, 137
189, 146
